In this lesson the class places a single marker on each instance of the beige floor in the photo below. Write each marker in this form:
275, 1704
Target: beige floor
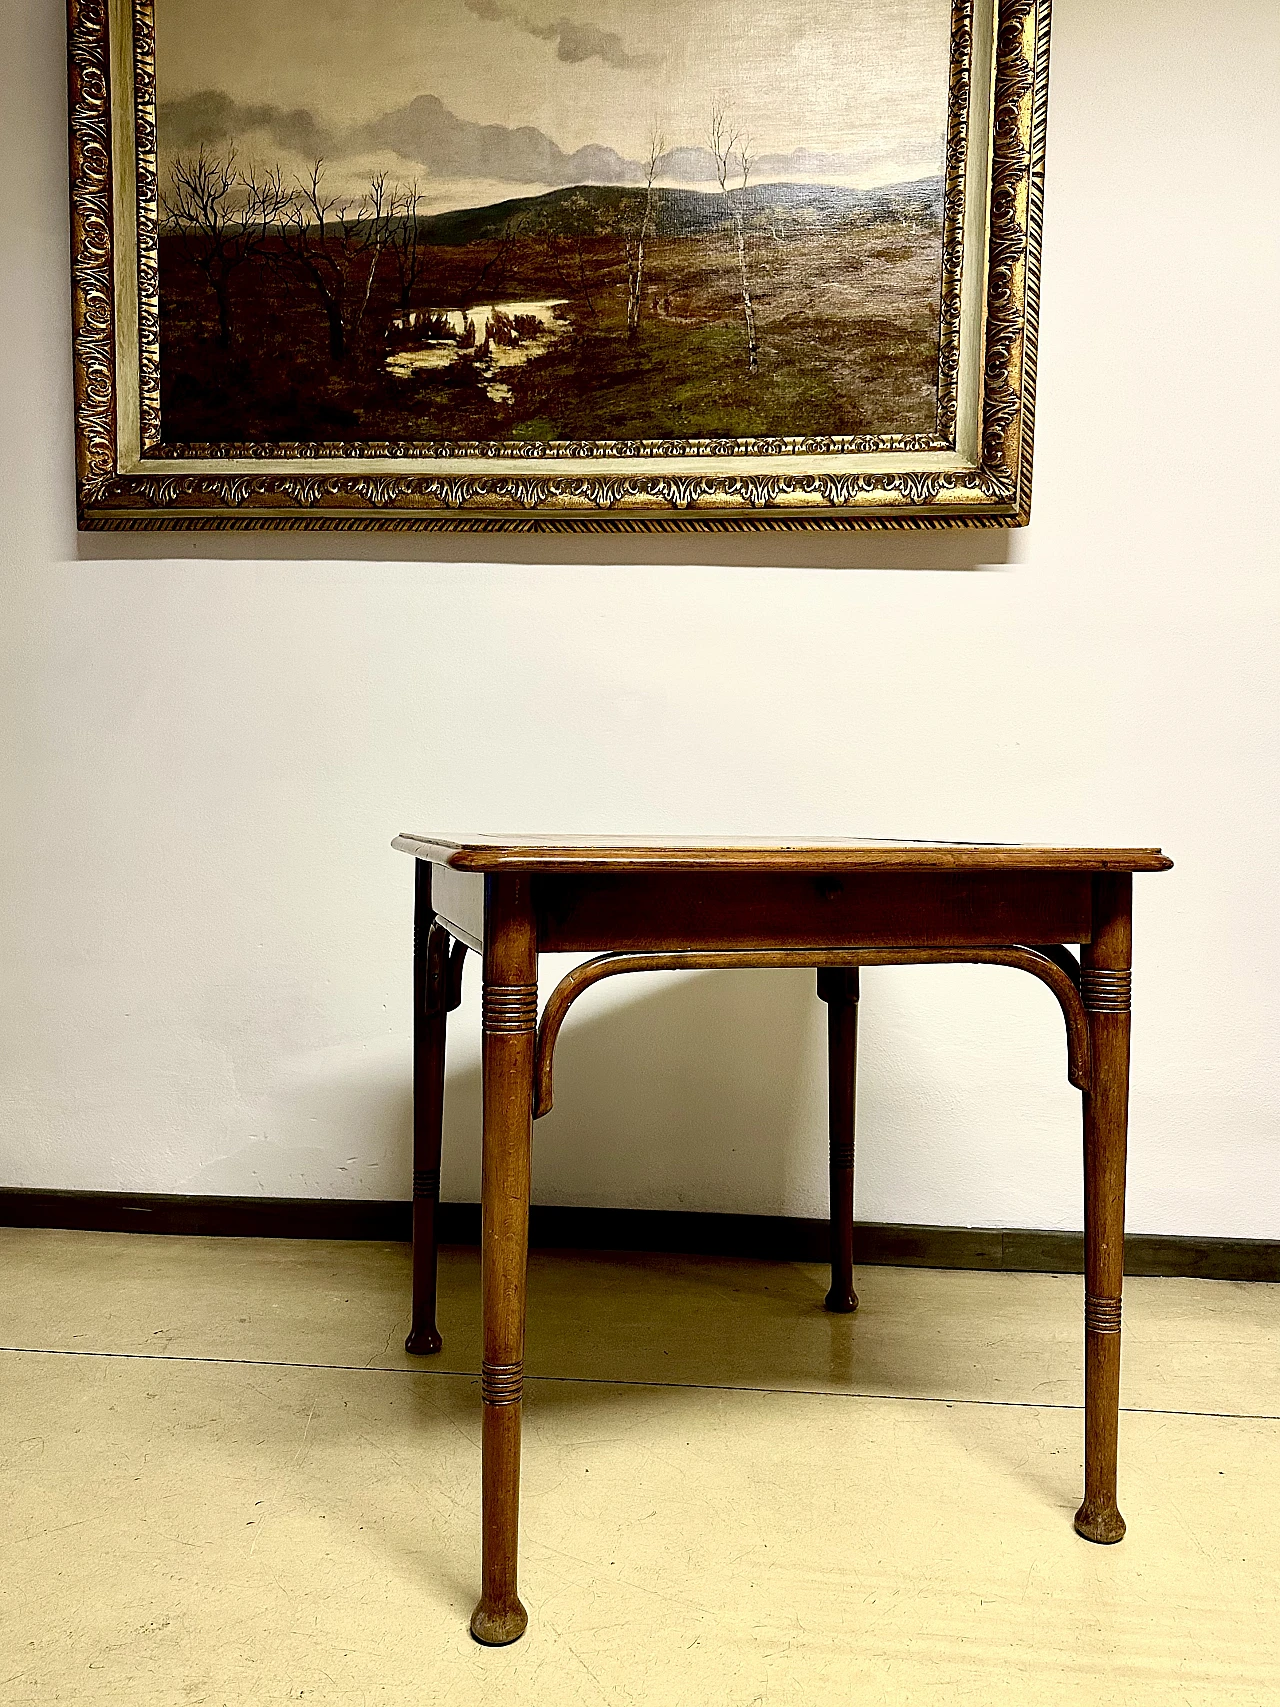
224, 1482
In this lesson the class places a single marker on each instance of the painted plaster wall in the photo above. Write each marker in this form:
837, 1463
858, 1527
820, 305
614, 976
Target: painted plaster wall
206, 747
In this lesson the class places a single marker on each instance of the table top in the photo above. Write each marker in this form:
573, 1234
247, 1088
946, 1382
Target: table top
574, 853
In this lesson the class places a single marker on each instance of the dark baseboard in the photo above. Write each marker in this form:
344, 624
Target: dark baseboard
781, 1238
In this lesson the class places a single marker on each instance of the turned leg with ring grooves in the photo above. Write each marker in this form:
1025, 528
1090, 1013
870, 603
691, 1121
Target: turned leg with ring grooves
430, 1003
1104, 986
510, 1014
838, 988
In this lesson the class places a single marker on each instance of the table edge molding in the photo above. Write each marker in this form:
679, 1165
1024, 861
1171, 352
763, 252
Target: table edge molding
800, 859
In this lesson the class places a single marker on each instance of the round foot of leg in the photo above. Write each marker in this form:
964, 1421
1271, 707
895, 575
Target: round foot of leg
840, 1302
1103, 1524
422, 1342
495, 1626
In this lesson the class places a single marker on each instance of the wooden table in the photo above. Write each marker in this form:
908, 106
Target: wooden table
836, 906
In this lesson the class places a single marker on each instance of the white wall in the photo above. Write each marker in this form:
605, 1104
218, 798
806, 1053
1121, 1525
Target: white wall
207, 746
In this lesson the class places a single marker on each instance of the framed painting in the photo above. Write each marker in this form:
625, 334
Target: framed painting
574, 264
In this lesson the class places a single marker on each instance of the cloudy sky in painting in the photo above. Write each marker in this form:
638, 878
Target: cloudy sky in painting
482, 98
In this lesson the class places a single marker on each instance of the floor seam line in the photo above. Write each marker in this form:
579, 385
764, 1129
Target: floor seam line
630, 1381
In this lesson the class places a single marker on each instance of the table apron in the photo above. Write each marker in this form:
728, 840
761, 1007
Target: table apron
687, 910
458, 899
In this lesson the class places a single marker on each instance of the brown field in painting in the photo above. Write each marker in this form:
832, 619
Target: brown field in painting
847, 323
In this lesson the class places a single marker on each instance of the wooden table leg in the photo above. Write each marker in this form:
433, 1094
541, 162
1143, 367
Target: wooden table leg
430, 1004
510, 1015
838, 988
1104, 985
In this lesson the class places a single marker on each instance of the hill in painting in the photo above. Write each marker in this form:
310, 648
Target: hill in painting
601, 210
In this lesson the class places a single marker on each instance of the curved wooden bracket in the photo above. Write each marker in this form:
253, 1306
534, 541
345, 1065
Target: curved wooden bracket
1053, 966
453, 979
443, 970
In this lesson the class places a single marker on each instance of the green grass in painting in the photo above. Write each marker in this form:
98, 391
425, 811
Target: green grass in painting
847, 323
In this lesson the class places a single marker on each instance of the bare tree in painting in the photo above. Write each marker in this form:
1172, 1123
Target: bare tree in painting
635, 290
222, 216
493, 270
726, 144
569, 252
336, 246
407, 241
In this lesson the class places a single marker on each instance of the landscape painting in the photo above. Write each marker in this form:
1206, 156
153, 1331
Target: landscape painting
546, 221
584, 265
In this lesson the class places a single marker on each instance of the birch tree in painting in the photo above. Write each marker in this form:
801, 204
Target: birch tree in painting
635, 294
375, 220
725, 144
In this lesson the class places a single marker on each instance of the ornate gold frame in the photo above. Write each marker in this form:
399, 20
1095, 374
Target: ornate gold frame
975, 471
